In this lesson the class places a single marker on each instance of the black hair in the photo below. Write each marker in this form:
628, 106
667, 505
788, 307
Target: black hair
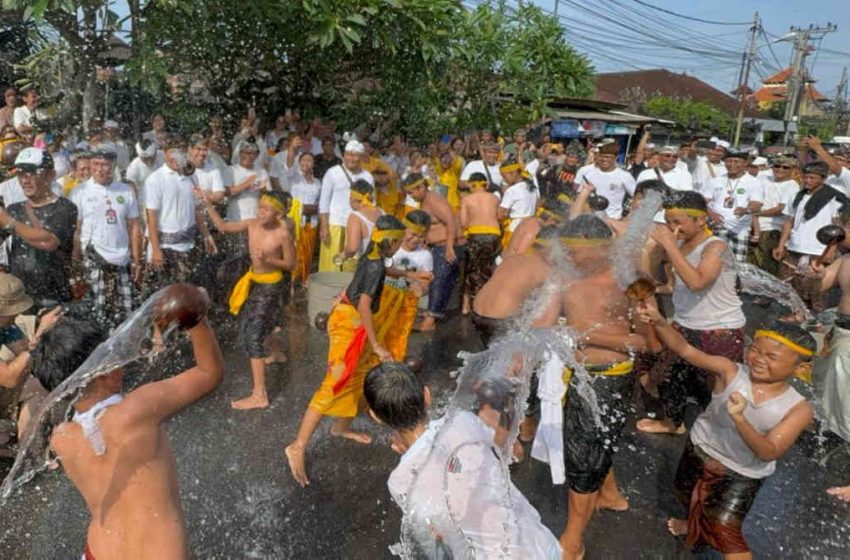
145, 143
586, 226
362, 186
477, 176
556, 206
396, 396
548, 232
844, 213
419, 217
77, 155
796, 334
63, 349
410, 179
691, 200
388, 222
651, 185
198, 139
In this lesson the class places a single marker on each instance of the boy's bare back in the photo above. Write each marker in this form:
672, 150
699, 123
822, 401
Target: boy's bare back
512, 282
480, 209
130, 490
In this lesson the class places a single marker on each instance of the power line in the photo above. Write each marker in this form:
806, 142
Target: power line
683, 16
770, 46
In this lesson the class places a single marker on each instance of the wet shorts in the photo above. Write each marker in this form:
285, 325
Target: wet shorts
717, 499
589, 448
258, 317
488, 328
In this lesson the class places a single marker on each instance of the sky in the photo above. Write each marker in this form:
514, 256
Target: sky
719, 47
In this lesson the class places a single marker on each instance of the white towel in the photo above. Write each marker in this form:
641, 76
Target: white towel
549, 442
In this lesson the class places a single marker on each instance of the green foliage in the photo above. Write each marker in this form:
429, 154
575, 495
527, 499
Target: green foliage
822, 128
693, 117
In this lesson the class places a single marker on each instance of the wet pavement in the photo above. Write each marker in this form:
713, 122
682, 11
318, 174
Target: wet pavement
241, 502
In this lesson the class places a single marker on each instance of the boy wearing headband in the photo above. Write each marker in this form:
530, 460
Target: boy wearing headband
519, 198
256, 296
355, 346
753, 418
361, 223
707, 309
479, 220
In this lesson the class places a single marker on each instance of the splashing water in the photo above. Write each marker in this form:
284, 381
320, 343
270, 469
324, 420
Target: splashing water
757, 282
628, 248
130, 341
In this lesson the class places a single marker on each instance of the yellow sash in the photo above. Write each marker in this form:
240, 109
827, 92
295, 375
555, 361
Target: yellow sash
295, 214
619, 368
482, 230
240, 292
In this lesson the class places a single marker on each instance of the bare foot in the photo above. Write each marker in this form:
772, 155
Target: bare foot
298, 468
677, 527
275, 358
666, 426
359, 437
617, 502
251, 402
840, 492
428, 324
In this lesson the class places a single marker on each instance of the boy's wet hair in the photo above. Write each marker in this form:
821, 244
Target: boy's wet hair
796, 334
419, 217
362, 186
557, 207
396, 396
477, 177
388, 222
63, 349
651, 185
586, 226
844, 213
691, 200
548, 232
411, 179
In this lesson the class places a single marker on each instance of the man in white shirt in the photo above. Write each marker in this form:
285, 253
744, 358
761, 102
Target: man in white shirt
838, 163
207, 175
778, 188
732, 201
174, 218
669, 172
799, 250
112, 132
23, 116
157, 133
248, 183
710, 166
107, 236
611, 182
334, 206
12, 193
519, 200
148, 159
488, 165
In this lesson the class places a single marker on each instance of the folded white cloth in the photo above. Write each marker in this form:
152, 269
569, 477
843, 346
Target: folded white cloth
549, 442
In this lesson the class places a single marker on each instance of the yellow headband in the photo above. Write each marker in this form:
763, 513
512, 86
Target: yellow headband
414, 185
583, 242
510, 167
548, 214
273, 202
565, 198
364, 199
477, 184
692, 212
542, 243
783, 340
379, 235
415, 228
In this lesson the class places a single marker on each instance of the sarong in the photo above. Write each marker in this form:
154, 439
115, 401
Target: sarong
481, 252
588, 448
487, 327
304, 253
258, 317
717, 498
397, 311
334, 246
241, 291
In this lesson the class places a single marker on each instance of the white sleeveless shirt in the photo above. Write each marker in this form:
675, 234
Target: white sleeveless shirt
716, 306
715, 432
370, 226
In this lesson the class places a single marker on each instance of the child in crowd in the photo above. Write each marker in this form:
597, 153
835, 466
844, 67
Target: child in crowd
753, 418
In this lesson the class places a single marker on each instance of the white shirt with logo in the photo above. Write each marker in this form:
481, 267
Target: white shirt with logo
613, 185
103, 212
727, 194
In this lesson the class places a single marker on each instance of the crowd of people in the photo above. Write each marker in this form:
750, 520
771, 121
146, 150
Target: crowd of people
94, 225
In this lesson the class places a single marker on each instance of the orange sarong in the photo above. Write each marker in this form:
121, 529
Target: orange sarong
306, 244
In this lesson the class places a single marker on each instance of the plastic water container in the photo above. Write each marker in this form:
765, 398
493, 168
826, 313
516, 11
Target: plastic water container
324, 288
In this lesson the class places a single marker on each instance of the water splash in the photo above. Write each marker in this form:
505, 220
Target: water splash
757, 282
628, 248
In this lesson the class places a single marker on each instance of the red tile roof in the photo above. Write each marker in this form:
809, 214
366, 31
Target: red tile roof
777, 93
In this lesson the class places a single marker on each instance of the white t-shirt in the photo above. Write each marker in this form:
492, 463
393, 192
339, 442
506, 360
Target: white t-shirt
307, 192
23, 116
418, 260
804, 233
677, 179
613, 185
774, 195
705, 172
244, 205
103, 212
478, 166
12, 193
840, 182
336, 191
209, 178
172, 196
278, 168
726, 194
138, 172
531, 169
520, 201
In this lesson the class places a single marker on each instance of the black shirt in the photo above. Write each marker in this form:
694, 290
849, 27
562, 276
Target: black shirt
369, 280
43, 272
322, 164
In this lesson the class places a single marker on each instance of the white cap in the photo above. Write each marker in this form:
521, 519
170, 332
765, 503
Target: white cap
110, 124
760, 161
35, 158
723, 144
148, 153
669, 149
355, 147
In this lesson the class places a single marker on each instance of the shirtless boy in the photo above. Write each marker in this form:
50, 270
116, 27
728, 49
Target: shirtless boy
479, 220
256, 296
115, 449
597, 308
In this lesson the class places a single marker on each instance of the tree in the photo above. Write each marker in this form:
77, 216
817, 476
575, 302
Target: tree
692, 117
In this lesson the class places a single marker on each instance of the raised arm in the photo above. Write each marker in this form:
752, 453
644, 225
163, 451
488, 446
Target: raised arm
814, 143
219, 223
698, 277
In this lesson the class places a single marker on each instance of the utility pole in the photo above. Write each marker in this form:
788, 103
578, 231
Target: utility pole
796, 85
556, 7
840, 109
744, 81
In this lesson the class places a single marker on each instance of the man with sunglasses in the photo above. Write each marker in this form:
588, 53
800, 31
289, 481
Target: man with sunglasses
668, 171
778, 188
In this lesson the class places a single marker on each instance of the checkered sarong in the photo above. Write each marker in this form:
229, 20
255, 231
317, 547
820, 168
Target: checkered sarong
110, 292
739, 244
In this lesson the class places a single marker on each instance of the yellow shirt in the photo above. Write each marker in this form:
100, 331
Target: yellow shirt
68, 184
450, 177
